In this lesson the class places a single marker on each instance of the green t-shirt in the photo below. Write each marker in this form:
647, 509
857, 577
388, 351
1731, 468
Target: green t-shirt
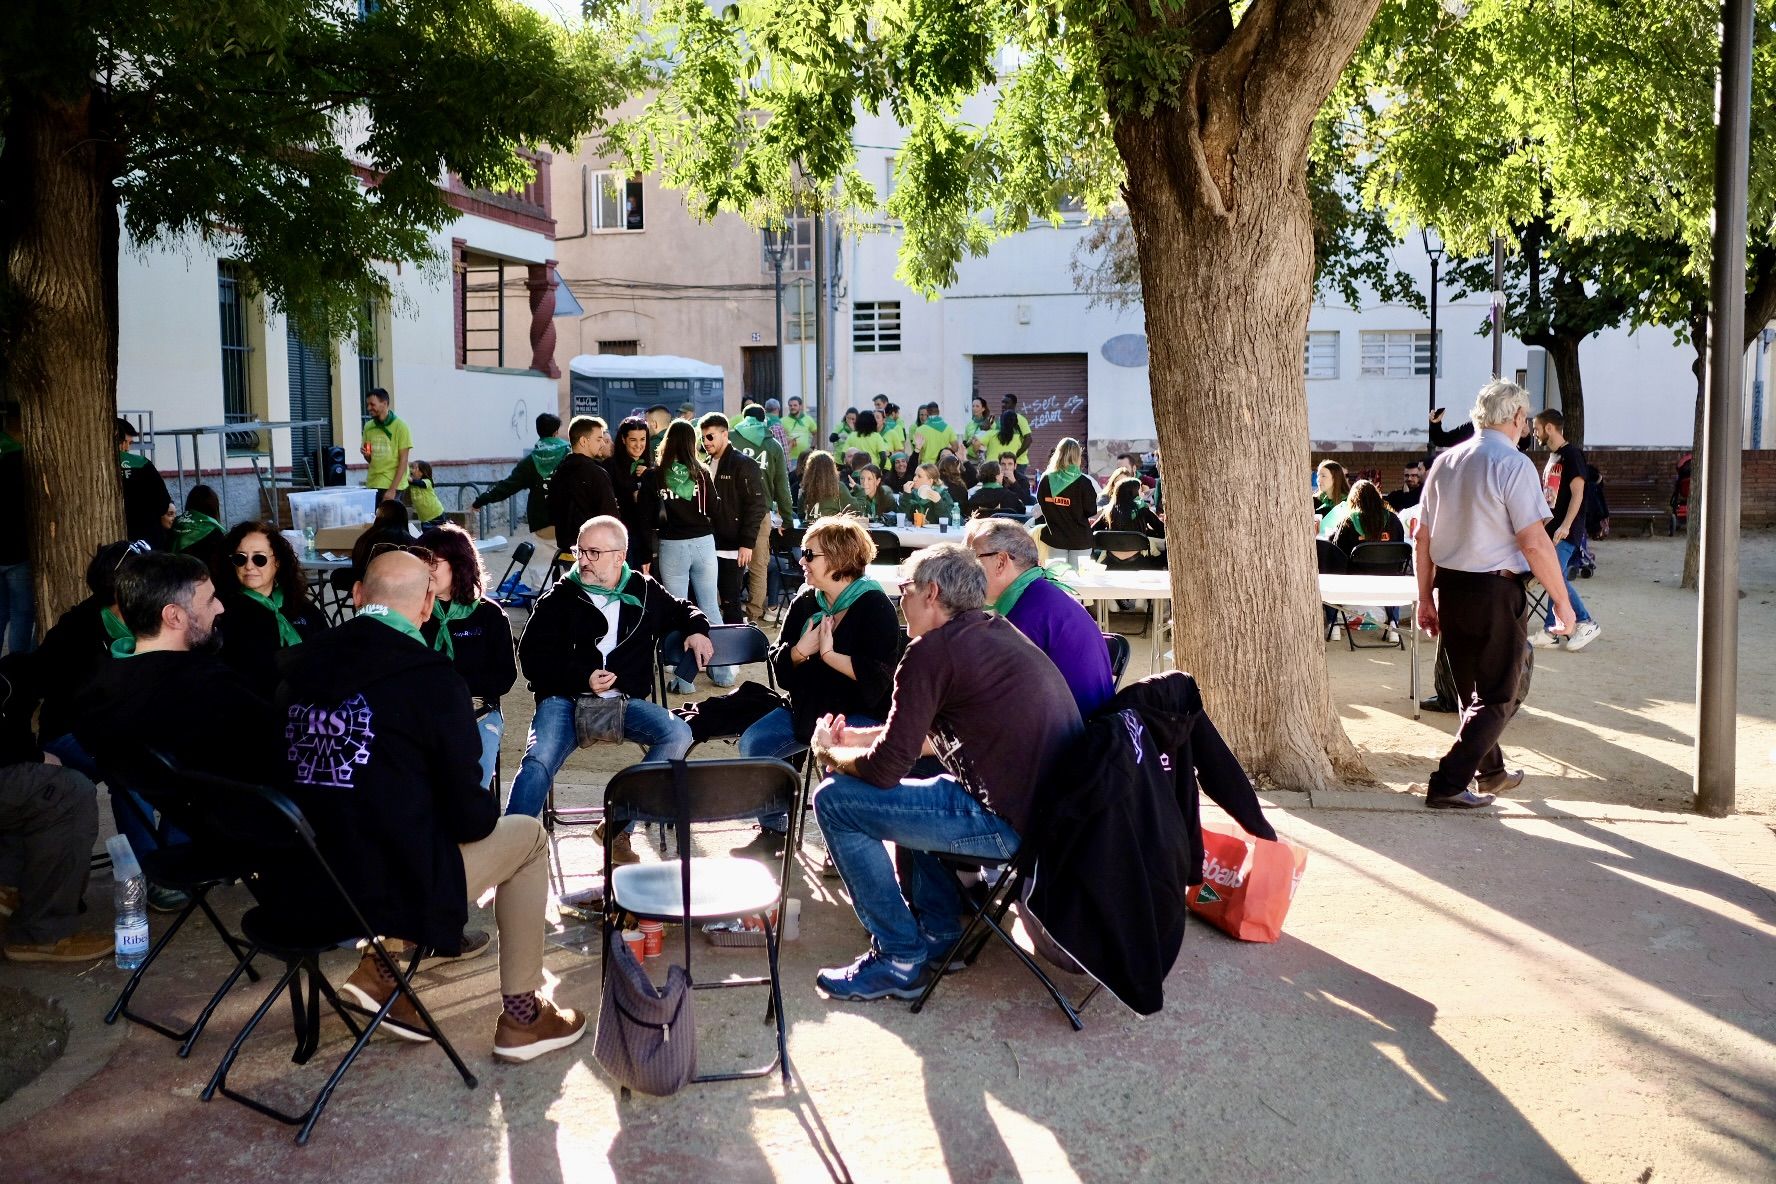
912, 502
873, 444
800, 431
933, 438
894, 436
387, 441
424, 501
980, 437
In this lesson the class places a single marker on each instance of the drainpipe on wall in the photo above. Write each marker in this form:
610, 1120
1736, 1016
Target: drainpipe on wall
585, 206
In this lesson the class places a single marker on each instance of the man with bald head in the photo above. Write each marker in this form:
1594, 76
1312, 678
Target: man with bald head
595, 633
381, 753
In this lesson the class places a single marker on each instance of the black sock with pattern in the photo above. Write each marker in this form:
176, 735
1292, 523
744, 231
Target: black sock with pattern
524, 1008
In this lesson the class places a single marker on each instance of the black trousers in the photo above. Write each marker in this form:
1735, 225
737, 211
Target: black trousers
1485, 635
729, 576
48, 823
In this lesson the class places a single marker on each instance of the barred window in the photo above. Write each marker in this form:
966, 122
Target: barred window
1400, 354
875, 327
1319, 355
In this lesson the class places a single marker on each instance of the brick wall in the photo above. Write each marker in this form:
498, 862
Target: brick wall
1757, 472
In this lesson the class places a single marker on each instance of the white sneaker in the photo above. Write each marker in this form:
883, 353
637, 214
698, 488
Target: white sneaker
1337, 634
1543, 640
1585, 634
1392, 637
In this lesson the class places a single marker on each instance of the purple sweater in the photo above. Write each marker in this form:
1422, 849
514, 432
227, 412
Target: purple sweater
1064, 629
996, 710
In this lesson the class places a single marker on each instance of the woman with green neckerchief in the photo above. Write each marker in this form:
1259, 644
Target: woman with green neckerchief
837, 649
265, 604
979, 432
932, 436
472, 631
685, 541
822, 495
1067, 499
198, 531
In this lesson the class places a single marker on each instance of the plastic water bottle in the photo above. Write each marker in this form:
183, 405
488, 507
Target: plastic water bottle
955, 518
132, 904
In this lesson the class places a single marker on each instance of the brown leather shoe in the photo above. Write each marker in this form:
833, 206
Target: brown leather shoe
9, 900
621, 849
366, 988
553, 1028
76, 947
1503, 781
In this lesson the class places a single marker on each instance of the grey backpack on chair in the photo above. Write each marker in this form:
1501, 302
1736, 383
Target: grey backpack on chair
647, 1036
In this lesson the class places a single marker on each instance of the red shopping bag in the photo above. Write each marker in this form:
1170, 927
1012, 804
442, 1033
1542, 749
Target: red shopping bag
1247, 884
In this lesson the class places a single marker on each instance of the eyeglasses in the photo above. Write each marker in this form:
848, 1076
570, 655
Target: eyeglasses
423, 554
904, 585
710, 437
593, 554
257, 558
987, 554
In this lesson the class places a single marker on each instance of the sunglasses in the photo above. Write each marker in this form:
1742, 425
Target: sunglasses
810, 556
423, 554
710, 437
258, 559
136, 548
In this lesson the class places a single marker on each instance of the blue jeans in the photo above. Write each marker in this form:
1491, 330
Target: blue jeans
128, 810
774, 736
18, 606
492, 727
922, 816
664, 735
1566, 550
688, 569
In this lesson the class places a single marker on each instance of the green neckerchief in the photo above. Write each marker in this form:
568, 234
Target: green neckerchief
386, 427
889, 425
991, 482
846, 599
382, 614
617, 593
9, 445
637, 466
1007, 600
131, 460
123, 642
274, 604
936, 423
444, 612
1059, 479
753, 431
193, 526
983, 425
678, 479
547, 456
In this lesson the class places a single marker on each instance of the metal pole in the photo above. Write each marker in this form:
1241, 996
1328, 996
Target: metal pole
1717, 656
1498, 307
822, 416
1434, 262
777, 335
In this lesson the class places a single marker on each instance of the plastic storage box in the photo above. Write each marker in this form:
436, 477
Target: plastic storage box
321, 508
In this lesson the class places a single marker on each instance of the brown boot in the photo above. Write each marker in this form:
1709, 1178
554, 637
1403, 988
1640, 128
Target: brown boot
621, 850
367, 989
76, 947
553, 1028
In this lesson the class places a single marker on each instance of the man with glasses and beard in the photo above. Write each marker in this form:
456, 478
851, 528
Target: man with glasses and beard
167, 689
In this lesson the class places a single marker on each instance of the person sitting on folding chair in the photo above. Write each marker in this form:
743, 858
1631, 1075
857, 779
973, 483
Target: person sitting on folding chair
949, 701
838, 647
472, 631
596, 632
380, 753
1024, 594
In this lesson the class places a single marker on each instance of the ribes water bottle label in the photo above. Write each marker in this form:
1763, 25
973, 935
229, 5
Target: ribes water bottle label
132, 939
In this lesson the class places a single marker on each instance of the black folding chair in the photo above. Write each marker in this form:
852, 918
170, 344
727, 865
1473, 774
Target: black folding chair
888, 546
306, 913
785, 567
704, 888
735, 645
1379, 559
337, 594
196, 867
1119, 655
1104, 542
1332, 562
521, 557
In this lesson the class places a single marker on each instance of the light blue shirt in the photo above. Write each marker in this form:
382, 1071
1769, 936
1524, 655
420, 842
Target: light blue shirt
1477, 496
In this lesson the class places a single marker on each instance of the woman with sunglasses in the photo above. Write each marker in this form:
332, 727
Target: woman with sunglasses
265, 604
471, 631
838, 647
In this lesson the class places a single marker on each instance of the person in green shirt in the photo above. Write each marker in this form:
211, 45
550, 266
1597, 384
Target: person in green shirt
841, 435
799, 427
1008, 405
933, 436
871, 497
926, 495
427, 509
867, 439
979, 432
894, 433
388, 446
822, 494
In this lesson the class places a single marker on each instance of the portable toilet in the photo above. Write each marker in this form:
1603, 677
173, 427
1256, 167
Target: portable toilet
612, 386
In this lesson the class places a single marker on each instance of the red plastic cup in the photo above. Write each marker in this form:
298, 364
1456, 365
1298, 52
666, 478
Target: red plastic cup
653, 936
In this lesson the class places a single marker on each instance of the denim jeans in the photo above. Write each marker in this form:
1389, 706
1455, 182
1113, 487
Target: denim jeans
688, 569
920, 816
492, 727
664, 735
774, 736
1566, 549
18, 607
129, 812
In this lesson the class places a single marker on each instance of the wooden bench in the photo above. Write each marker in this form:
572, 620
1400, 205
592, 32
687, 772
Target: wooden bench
1639, 502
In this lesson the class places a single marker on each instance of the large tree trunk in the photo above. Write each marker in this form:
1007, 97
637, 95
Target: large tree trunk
1692, 566
1218, 199
60, 243
1564, 351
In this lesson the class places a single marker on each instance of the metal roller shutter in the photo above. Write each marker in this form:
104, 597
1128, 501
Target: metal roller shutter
1051, 395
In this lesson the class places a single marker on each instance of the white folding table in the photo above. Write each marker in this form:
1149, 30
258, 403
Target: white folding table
1378, 592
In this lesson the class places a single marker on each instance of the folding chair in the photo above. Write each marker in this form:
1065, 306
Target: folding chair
1106, 541
337, 594
1379, 559
300, 890
520, 560
1332, 562
1119, 655
195, 867
888, 546
784, 567
703, 888
735, 645
990, 910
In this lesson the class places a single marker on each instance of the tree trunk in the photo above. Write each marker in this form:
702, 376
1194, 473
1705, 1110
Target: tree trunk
60, 245
1217, 196
1692, 566
1564, 351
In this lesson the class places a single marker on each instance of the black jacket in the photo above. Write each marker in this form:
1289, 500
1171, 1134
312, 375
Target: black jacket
483, 646
739, 500
382, 755
993, 499
1121, 838
71, 654
559, 652
145, 502
250, 644
869, 634
14, 542
638, 505
187, 705
1067, 513
679, 518
580, 489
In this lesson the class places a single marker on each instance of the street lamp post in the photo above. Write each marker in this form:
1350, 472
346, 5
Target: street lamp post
1433, 244
776, 244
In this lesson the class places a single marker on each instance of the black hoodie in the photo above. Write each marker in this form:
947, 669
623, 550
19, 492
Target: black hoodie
250, 642
560, 653
382, 754
187, 705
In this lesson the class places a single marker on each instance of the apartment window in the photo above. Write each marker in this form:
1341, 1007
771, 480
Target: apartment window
237, 349
623, 349
887, 177
799, 254
1319, 355
798, 312
1400, 354
875, 327
370, 348
616, 201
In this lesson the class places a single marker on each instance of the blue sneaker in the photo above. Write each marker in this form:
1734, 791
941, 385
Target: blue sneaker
936, 948
873, 976
679, 686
